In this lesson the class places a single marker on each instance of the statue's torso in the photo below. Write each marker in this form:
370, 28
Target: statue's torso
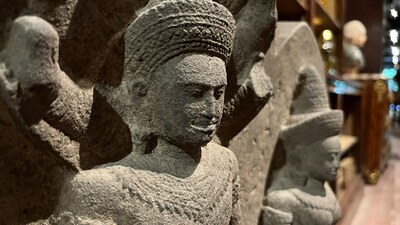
315, 209
125, 195
308, 207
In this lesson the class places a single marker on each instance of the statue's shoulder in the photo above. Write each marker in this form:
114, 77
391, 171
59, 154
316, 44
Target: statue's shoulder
84, 194
94, 178
220, 150
282, 199
222, 154
99, 187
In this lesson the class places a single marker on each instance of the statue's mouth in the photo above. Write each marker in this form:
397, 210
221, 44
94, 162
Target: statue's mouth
205, 125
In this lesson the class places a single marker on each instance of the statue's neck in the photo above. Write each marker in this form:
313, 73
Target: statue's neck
300, 177
166, 158
315, 184
189, 156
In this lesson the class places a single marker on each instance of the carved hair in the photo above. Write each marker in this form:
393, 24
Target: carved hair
172, 28
234, 6
311, 118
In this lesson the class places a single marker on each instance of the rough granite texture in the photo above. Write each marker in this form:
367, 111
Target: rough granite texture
135, 191
254, 145
188, 110
308, 147
91, 50
171, 97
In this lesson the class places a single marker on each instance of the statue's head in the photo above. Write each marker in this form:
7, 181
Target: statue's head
322, 158
313, 145
355, 32
174, 75
186, 98
310, 137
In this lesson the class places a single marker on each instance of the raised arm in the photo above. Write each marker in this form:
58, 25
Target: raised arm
52, 110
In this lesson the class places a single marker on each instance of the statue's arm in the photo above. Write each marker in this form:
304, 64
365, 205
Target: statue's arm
272, 216
255, 29
52, 110
278, 210
249, 86
248, 100
82, 197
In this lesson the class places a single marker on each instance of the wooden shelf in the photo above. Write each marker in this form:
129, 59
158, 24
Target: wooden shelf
323, 19
291, 9
364, 117
303, 3
362, 77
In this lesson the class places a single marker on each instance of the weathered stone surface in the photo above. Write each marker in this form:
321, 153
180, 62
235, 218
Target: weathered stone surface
308, 147
249, 86
30, 179
293, 47
68, 112
91, 33
171, 97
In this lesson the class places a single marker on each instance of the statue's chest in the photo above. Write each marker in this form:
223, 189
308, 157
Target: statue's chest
204, 198
314, 210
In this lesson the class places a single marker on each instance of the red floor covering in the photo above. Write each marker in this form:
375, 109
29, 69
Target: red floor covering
380, 204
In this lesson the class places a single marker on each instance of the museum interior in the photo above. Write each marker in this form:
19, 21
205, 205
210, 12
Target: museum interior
367, 184
67, 114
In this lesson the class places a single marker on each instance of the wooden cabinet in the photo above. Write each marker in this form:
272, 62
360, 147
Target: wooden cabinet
364, 101
366, 110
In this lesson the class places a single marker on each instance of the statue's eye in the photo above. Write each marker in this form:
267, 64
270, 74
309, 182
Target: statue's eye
218, 92
196, 92
333, 156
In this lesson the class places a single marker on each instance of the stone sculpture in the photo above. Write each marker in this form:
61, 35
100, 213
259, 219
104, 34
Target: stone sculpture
171, 97
354, 38
53, 121
299, 193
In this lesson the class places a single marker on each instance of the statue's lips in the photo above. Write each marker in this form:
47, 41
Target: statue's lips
205, 126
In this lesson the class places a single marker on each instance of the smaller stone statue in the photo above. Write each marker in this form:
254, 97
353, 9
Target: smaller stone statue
299, 193
354, 38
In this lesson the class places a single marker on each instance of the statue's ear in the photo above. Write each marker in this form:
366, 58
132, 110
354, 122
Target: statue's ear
138, 88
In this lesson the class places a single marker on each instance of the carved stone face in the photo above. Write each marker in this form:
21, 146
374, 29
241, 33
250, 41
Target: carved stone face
323, 159
188, 97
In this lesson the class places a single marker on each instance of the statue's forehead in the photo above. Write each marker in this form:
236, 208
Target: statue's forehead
196, 68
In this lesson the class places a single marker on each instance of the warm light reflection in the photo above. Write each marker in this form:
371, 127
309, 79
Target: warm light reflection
317, 21
327, 35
